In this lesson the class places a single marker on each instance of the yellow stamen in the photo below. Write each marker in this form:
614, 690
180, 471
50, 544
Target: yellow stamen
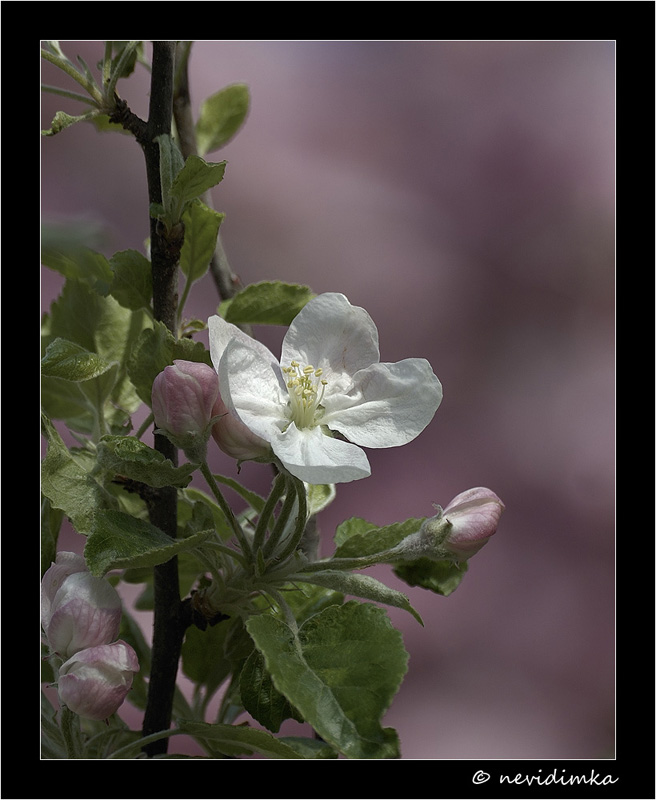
304, 395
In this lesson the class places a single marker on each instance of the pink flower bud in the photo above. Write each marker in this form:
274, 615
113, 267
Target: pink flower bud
94, 682
474, 517
65, 564
182, 397
235, 439
77, 610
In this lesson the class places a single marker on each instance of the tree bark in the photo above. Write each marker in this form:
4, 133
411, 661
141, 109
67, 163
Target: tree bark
168, 623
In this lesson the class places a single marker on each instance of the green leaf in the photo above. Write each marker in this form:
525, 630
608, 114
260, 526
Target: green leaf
51, 520
124, 62
194, 179
68, 485
171, 162
319, 496
441, 577
254, 500
132, 459
99, 325
201, 231
85, 406
155, 349
119, 541
340, 671
221, 116
260, 697
71, 362
52, 739
132, 283
306, 600
238, 739
189, 569
61, 121
266, 303
309, 748
356, 537
102, 124
197, 498
65, 252
203, 656
359, 585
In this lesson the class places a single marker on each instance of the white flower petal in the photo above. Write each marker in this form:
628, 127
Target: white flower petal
251, 385
390, 404
221, 333
331, 334
316, 457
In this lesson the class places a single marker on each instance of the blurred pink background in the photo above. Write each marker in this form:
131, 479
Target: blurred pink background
463, 193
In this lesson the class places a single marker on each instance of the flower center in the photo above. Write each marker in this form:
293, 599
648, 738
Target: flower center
306, 389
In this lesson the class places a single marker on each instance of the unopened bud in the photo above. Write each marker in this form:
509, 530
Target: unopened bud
474, 516
455, 533
94, 682
183, 396
78, 610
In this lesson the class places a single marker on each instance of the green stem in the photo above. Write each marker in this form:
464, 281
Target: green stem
126, 54
225, 507
65, 65
282, 521
107, 63
347, 564
70, 727
183, 299
290, 619
294, 540
145, 425
68, 94
129, 749
267, 511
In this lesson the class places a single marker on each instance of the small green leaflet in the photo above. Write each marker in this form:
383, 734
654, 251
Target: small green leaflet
266, 303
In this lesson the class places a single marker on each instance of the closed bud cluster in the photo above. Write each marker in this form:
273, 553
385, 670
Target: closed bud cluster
80, 618
183, 398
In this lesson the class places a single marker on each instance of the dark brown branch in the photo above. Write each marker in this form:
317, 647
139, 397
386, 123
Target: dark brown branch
121, 115
169, 617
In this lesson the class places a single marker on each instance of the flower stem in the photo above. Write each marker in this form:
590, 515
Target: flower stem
269, 507
70, 728
145, 425
271, 544
225, 507
361, 562
298, 488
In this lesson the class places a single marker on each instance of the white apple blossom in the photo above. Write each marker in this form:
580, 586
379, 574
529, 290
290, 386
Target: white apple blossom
328, 394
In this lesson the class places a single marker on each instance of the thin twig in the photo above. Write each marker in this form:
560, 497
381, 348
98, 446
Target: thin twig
227, 283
